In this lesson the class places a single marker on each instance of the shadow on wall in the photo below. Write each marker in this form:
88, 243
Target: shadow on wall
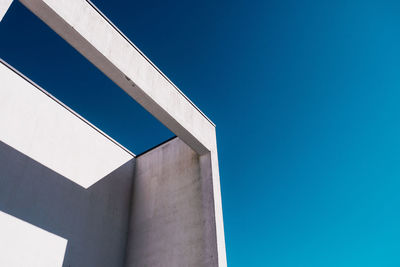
94, 220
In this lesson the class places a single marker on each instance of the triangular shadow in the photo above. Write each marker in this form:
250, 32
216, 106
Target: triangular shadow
94, 220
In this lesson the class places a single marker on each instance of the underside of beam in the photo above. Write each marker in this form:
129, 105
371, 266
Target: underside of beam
87, 30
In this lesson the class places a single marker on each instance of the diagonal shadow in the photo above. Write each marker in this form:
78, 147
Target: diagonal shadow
94, 220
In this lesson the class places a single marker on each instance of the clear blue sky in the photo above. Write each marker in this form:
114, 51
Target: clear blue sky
306, 99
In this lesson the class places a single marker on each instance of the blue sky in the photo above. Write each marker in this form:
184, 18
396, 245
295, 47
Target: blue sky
305, 96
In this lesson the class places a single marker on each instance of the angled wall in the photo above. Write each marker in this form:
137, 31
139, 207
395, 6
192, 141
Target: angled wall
89, 31
172, 222
63, 184
39, 126
72, 196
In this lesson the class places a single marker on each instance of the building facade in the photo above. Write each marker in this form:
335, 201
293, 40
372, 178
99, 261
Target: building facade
72, 196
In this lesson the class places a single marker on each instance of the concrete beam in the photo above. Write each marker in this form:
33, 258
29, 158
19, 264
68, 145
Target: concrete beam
96, 38
83, 26
4, 6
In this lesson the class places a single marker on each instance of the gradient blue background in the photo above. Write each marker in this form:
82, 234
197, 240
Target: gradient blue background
305, 96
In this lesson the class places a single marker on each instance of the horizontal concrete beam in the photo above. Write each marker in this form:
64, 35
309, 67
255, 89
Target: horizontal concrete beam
96, 38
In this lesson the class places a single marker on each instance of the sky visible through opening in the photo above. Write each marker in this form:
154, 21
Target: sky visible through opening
305, 96
44, 57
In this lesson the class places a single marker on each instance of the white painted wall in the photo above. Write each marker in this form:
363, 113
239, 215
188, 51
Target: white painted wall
96, 38
43, 129
23, 244
60, 180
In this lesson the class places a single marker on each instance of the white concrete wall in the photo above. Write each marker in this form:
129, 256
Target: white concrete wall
172, 222
35, 246
70, 195
40, 127
93, 35
96, 38
62, 182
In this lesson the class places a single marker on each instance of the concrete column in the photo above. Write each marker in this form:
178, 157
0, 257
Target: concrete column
172, 220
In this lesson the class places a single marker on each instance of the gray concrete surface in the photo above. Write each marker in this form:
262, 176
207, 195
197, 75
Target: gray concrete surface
170, 223
160, 213
96, 38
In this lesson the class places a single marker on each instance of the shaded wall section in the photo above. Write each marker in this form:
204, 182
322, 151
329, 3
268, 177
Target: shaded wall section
41, 127
172, 221
62, 175
63, 179
94, 221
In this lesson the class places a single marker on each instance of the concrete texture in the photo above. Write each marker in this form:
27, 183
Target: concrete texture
170, 223
158, 213
95, 37
4, 5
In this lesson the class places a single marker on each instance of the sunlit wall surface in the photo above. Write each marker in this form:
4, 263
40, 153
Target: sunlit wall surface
60, 179
43, 129
23, 244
